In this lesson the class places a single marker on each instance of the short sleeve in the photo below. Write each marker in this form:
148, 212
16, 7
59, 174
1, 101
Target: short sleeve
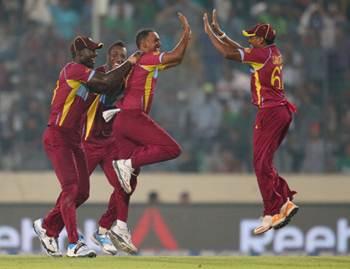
151, 59
79, 72
255, 55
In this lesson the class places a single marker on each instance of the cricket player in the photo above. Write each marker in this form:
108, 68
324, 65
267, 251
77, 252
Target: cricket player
141, 140
273, 117
75, 90
99, 143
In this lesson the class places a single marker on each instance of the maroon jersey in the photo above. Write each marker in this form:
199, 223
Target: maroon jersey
96, 129
71, 98
141, 83
266, 79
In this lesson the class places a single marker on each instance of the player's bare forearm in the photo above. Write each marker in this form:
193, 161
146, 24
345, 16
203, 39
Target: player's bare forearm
171, 65
112, 80
220, 33
176, 55
230, 42
228, 50
107, 82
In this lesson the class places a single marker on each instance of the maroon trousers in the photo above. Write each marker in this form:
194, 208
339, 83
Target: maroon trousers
68, 160
142, 140
102, 154
152, 144
271, 126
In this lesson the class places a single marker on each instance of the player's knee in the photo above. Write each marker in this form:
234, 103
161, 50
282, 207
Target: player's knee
261, 168
176, 151
82, 197
70, 193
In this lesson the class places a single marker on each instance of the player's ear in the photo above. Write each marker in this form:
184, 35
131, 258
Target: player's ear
261, 40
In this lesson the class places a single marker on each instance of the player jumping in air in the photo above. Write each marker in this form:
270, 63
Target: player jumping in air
74, 92
140, 139
273, 117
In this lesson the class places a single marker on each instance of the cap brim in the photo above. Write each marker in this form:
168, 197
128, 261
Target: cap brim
97, 46
245, 33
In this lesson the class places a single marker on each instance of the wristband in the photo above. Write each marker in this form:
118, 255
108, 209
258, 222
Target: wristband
222, 36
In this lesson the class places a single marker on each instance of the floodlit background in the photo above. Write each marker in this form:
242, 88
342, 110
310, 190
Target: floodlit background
205, 104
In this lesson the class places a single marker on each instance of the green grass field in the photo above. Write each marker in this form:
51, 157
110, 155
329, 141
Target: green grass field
43, 262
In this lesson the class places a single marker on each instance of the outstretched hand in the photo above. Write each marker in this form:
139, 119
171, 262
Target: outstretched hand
184, 21
185, 25
214, 23
206, 23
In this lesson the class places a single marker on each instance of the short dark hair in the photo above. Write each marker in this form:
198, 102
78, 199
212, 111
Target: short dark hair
118, 43
141, 35
269, 42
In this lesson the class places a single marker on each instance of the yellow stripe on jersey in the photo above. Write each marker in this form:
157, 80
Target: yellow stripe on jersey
258, 87
148, 88
74, 84
162, 66
55, 91
148, 85
91, 113
256, 66
149, 68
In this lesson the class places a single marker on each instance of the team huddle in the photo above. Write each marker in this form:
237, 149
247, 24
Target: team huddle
101, 117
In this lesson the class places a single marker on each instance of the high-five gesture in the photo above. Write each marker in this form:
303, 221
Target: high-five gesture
183, 21
175, 56
214, 23
206, 23
185, 25
226, 46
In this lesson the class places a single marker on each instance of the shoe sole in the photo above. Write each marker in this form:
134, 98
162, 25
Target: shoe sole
263, 231
89, 255
97, 243
288, 219
120, 244
125, 187
48, 252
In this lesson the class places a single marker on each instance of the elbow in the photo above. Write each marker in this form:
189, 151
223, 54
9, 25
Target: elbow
227, 55
233, 56
177, 59
104, 86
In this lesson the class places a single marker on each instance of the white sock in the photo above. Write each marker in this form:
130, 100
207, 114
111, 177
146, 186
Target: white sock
122, 224
102, 230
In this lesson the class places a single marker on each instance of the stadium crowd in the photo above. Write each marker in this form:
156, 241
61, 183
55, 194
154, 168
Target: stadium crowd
205, 103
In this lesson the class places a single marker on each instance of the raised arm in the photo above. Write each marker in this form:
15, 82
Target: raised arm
175, 56
229, 50
221, 34
112, 80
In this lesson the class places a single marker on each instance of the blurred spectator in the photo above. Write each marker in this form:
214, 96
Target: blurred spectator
153, 198
314, 158
344, 160
206, 114
184, 198
120, 20
65, 19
